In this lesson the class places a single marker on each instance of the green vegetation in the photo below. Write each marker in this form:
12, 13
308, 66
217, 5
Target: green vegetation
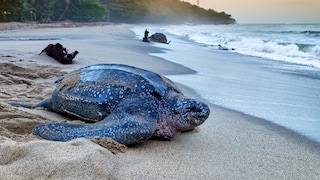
128, 11
51, 10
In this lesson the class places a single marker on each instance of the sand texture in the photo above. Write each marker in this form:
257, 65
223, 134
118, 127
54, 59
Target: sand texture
229, 145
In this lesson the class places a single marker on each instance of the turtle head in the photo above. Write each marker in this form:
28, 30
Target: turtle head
184, 114
189, 113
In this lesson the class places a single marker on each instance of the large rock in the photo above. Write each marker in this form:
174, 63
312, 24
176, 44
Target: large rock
158, 37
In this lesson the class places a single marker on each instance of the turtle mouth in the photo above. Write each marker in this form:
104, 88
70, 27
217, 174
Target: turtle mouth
164, 131
194, 122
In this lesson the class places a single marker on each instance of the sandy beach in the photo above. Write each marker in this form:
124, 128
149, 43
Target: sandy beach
229, 145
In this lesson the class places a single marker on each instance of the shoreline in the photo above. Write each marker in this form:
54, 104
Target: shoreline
9, 26
229, 145
248, 84
283, 131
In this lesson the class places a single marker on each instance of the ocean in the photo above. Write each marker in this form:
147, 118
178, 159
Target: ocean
270, 71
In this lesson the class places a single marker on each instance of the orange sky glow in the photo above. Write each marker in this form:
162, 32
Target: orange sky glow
261, 11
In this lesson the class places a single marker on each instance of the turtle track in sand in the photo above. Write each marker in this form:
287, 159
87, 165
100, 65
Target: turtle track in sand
23, 82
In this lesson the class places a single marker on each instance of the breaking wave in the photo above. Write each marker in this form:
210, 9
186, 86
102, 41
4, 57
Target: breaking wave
298, 44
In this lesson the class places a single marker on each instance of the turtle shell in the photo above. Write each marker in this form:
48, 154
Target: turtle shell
91, 93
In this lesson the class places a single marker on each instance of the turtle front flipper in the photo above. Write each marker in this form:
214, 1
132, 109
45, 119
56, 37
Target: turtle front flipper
132, 121
128, 130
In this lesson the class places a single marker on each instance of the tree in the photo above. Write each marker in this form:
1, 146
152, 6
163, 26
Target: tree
79, 10
40, 10
11, 10
67, 6
88, 10
128, 11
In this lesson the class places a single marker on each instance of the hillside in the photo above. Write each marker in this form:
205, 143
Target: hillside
127, 11
163, 11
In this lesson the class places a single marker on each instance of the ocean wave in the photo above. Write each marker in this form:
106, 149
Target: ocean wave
298, 32
295, 53
312, 33
272, 44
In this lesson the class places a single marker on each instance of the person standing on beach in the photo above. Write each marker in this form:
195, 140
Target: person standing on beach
146, 35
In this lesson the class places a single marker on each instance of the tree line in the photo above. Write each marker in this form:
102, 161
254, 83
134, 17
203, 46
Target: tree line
127, 11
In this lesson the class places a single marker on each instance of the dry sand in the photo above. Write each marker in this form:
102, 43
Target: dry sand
229, 145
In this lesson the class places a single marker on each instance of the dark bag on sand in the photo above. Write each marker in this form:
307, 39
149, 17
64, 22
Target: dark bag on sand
59, 53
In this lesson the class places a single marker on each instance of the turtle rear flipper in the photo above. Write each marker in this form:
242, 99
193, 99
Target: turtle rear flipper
47, 103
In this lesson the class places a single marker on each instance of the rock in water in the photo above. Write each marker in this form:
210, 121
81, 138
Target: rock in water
159, 37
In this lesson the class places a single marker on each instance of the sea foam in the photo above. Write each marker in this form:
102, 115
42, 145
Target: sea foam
294, 46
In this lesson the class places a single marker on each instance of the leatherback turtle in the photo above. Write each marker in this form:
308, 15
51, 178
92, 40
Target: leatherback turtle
126, 103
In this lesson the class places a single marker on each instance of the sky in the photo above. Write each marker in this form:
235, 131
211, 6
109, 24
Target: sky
266, 11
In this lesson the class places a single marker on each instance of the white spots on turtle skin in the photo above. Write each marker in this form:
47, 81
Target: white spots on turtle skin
73, 98
95, 93
99, 114
121, 91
